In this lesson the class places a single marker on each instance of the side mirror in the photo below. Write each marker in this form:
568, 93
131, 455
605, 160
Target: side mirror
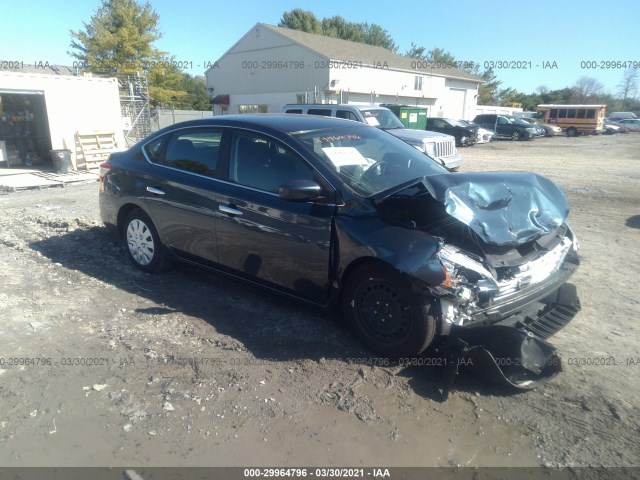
300, 191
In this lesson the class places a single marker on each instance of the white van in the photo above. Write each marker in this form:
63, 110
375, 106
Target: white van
436, 145
621, 115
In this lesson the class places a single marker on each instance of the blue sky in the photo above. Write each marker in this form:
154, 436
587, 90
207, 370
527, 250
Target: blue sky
537, 31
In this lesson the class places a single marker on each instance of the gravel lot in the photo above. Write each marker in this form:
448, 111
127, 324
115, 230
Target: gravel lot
96, 358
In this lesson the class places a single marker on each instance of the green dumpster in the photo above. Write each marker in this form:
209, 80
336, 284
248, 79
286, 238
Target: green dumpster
410, 116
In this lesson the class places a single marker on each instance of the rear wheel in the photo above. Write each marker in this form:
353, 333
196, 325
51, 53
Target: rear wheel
572, 132
143, 243
386, 315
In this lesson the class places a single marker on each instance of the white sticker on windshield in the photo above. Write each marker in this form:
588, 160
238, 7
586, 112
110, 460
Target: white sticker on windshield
341, 156
373, 121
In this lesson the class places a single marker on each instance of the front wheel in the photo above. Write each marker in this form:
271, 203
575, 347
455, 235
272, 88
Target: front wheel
516, 136
143, 243
385, 314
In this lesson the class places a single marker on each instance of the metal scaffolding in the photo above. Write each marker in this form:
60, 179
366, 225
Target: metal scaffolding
134, 106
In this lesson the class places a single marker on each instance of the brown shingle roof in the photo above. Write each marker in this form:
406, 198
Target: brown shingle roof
345, 50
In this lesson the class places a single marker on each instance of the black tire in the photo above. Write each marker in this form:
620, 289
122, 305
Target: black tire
515, 136
144, 248
572, 132
386, 315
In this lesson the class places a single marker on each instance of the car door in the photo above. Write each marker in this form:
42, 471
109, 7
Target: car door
486, 121
438, 125
263, 237
503, 127
179, 190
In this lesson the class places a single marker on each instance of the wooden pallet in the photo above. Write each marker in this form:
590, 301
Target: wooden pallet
95, 148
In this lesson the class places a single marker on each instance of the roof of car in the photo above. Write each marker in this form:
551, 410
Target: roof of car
284, 122
344, 106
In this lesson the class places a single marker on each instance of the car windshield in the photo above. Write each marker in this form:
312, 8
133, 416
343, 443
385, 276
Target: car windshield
520, 121
368, 160
455, 123
381, 118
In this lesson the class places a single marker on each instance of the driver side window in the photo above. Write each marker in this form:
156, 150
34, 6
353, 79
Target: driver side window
502, 121
263, 163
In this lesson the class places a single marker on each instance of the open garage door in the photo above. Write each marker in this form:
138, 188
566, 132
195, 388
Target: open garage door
25, 139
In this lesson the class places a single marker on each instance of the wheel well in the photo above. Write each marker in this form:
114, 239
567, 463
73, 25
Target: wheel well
123, 213
360, 262
356, 264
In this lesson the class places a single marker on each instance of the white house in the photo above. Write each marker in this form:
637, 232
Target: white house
271, 66
44, 111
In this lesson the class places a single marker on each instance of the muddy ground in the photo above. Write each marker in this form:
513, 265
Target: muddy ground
96, 358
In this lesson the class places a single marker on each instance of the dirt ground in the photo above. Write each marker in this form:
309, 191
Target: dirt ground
102, 365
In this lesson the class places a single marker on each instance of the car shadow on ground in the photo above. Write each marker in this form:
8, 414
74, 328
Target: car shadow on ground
633, 221
268, 325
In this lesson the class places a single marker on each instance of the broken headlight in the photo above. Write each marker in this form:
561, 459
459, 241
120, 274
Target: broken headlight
464, 276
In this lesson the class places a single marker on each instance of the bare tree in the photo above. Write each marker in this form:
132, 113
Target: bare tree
587, 89
628, 87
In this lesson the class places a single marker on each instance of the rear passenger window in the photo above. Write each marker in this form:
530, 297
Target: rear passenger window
346, 114
153, 148
325, 112
194, 151
294, 110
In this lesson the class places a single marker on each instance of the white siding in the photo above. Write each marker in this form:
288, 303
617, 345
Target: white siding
73, 104
240, 74
234, 73
480, 109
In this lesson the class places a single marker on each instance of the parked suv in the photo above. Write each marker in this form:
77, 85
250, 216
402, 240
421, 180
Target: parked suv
506, 126
465, 135
436, 145
615, 116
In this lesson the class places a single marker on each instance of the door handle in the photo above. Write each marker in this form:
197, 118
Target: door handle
229, 210
155, 191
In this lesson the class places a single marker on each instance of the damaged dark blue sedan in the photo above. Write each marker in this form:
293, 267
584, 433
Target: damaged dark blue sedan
345, 215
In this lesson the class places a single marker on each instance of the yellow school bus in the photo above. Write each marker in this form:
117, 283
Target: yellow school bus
575, 119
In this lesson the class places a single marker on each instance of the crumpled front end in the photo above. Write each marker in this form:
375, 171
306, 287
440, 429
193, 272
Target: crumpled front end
507, 250
475, 293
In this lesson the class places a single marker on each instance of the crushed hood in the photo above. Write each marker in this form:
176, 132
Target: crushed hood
502, 208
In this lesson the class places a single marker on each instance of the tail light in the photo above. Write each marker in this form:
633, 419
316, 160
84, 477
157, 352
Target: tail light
104, 169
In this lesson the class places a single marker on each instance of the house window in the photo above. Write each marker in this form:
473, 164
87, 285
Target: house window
253, 109
417, 84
